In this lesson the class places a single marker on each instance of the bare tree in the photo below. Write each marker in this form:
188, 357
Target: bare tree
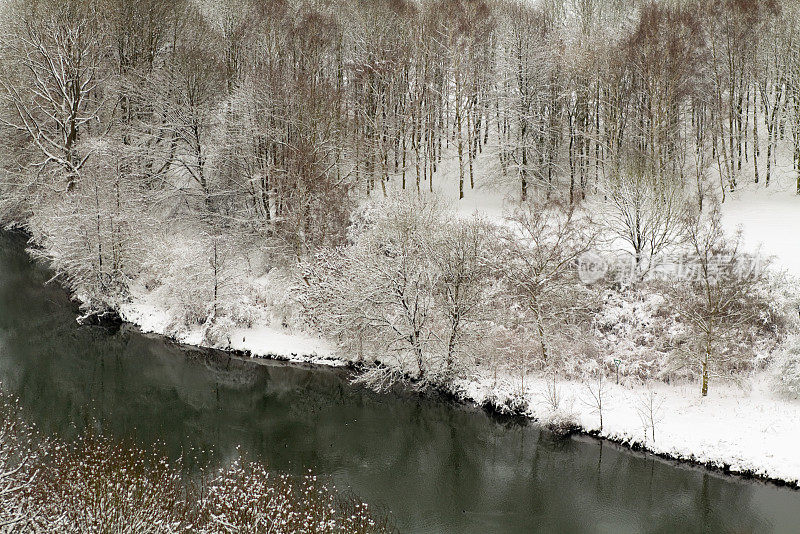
646, 213
462, 256
717, 294
543, 248
597, 393
649, 407
51, 81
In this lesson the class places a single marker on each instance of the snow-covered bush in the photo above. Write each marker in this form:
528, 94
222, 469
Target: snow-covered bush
244, 312
786, 367
217, 332
506, 403
18, 470
95, 485
636, 326
560, 422
558, 414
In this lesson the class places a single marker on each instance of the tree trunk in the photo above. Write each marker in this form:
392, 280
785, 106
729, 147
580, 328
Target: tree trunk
451, 345
756, 151
460, 147
705, 371
540, 329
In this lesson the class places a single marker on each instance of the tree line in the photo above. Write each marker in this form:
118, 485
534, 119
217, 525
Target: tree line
271, 112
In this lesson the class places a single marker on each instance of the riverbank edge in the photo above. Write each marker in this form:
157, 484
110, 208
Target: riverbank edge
464, 400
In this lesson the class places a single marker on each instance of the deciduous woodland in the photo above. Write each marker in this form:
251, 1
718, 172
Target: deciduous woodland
313, 168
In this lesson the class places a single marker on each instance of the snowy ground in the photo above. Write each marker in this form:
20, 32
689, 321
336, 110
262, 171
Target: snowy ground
769, 219
746, 429
259, 341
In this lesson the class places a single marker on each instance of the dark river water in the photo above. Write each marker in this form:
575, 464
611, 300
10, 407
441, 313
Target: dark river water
435, 466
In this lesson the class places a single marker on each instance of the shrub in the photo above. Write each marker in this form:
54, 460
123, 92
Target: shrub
786, 368
95, 484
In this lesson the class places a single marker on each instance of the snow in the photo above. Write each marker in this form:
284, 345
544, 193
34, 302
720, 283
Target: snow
493, 195
266, 341
769, 219
262, 341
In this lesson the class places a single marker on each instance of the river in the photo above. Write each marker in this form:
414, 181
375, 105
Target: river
434, 465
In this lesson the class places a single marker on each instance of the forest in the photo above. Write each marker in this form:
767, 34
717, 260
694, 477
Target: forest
301, 165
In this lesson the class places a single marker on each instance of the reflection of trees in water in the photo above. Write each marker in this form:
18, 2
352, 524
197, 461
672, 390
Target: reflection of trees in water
658, 496
222, 369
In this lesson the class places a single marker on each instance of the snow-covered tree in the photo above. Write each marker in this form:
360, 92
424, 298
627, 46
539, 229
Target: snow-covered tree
378, 293
543, 246
51, 81
719, 295
463, 255
646, 213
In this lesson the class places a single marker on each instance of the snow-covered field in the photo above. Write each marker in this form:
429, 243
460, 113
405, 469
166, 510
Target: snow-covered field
768, 219
742, 428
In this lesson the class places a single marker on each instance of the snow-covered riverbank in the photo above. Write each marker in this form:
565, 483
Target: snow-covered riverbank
257, 341
747, 430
